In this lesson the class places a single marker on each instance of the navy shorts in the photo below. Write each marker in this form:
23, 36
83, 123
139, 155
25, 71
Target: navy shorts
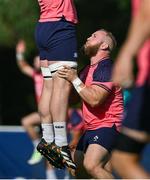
128, 144
56, 40
105, 137
138, 111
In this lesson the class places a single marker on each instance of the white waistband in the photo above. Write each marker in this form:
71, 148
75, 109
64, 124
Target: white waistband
59, 65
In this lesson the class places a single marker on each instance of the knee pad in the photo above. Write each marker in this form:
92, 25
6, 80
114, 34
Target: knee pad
59, 65
46, 73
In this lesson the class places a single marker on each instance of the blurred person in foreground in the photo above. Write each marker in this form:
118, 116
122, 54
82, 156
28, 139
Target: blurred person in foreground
135, 133
31, 121
55, 36
102, 107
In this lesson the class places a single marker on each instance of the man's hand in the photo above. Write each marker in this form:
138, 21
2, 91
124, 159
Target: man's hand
67, 73
73, 145
21, 47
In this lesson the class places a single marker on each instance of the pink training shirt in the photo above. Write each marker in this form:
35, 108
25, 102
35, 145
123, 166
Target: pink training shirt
111, 111
135, 7
54, 10
38, 82
143, 55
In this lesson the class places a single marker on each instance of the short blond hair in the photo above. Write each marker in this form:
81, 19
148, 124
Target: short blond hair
110, 39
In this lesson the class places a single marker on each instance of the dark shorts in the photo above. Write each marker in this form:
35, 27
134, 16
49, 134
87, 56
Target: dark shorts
105, 137
56, 40
129, 145
138, 111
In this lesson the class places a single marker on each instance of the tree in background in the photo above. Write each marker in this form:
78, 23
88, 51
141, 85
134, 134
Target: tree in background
18, 20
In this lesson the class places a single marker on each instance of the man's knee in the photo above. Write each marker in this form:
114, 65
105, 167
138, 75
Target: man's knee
25, 122
44, 115
90, 167
44, 110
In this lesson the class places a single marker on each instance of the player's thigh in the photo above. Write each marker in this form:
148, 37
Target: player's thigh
123, 157
46, 95
100, 141
43, 104
60, 84
99, 157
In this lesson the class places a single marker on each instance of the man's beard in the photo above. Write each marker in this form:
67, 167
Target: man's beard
90, 51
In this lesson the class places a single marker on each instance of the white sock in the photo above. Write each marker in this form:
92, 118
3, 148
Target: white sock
35, 142
50, 174
60, 133
48, 132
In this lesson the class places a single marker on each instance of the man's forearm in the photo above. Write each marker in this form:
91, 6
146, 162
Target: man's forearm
88, 94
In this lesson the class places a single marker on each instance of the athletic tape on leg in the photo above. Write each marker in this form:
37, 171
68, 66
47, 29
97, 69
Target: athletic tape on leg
59, 65
46, 73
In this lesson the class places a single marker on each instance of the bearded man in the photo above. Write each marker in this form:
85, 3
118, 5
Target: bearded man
102, 107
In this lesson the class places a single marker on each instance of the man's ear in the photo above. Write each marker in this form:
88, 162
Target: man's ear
104, 46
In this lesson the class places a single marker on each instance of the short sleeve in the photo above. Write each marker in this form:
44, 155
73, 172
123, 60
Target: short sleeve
102, 75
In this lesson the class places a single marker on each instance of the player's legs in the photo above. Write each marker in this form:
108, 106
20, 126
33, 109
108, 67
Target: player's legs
29, 123
127, 165
58, 107
56, 42
52, 39
98, 166
41, 34
62, 50
108, 166
59, 102
134, 136
44, 103
47, 146
100, 141
59, 56
126, 156
97, 160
